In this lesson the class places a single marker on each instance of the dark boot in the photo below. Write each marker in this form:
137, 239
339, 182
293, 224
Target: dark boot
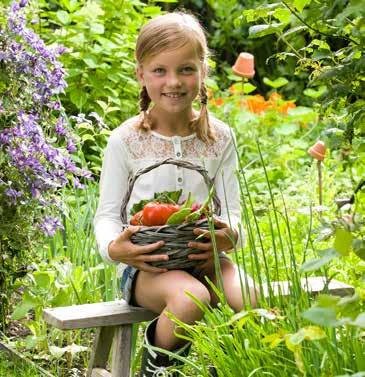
213, 371
154, 363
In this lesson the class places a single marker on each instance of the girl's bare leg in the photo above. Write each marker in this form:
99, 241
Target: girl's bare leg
231, 284
163, 292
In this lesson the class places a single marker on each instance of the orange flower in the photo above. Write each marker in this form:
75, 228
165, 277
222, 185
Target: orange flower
256, 104
219, 101
235, 88
209, 93
286, 106
274, 97
216, 102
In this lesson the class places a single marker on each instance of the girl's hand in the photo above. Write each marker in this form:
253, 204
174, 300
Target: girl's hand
122, 249
224, 236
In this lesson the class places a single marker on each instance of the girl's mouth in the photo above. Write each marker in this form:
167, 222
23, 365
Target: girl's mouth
173, 95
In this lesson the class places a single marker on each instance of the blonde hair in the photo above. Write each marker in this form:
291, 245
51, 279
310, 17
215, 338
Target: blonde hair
168, 32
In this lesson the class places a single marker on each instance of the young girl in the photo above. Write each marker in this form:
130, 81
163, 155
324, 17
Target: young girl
171, 56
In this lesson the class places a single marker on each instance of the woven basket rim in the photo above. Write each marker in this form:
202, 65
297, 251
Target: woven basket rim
182, 163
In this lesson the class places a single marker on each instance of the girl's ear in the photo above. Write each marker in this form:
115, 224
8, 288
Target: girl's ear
139, 74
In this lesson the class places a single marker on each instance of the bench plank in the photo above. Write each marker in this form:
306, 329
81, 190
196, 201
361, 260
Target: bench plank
102, 344
122, 347
313, 285
111, 313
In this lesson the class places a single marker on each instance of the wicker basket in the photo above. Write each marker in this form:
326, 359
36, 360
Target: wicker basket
176, 237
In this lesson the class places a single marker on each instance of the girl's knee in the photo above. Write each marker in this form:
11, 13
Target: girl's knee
188, 285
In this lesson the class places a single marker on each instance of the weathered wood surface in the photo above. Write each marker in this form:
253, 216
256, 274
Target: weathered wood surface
102, 344
313, 285
101, 314
122, 345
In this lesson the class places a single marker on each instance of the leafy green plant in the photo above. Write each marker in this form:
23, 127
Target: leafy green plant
36, 146
12, 368
330, 54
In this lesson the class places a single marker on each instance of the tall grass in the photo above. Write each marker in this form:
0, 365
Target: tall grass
76, 243
274, 339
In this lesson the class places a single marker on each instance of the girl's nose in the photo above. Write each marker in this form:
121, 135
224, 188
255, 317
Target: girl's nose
173, 80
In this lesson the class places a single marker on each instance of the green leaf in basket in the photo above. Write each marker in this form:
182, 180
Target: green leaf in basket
161, 197
178, 217
188, 202
194, 216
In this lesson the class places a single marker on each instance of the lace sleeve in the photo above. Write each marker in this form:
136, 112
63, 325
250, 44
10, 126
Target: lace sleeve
113, 185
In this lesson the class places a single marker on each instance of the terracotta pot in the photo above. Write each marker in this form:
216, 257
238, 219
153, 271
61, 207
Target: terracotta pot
244, 65
318, 150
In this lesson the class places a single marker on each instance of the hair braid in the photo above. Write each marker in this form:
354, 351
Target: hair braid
144, 102
201, 124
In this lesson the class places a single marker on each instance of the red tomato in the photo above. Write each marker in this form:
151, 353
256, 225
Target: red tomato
137, 218
157, 213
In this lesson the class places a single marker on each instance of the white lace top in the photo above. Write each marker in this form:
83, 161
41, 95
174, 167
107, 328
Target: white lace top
130, 149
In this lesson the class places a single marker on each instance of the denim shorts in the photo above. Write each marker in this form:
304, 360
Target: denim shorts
129, 277
127, 284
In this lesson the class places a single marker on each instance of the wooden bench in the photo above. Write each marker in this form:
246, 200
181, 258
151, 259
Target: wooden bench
114, 321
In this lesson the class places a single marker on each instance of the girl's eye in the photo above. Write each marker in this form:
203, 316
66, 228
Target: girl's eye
188, 69
159, 70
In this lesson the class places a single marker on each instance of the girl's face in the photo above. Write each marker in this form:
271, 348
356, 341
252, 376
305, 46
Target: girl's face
172, 78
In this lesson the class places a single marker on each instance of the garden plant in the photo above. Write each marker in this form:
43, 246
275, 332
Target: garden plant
66, 80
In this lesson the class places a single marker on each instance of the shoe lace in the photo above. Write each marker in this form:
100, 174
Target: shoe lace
158, 371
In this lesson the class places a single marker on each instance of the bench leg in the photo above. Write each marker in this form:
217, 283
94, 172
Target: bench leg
122, 351
102, 344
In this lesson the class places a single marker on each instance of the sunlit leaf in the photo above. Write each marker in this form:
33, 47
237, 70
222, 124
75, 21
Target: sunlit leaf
44, 279
343, 241
29, 302
258, 31
358, 246
313, 93
313, 333
279, 82
273, 339
282, 14
359, 321
63, 17
317, 263
322, 316
301, 4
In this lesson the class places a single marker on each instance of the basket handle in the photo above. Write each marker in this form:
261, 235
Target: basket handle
170, 161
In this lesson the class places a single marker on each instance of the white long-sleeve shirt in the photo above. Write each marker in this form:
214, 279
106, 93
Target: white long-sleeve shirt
130, 149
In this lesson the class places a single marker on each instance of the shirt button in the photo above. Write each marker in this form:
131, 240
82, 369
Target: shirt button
178, 154
179, 179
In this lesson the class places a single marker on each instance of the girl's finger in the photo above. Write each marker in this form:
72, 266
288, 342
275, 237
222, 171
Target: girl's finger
152, 258
201, 256
128, 232
146, 267
149, 248
200, 246
202, 233
219, 223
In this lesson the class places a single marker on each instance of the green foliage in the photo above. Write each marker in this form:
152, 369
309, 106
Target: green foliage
13, 368
330, 54
35, 147
100, 39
